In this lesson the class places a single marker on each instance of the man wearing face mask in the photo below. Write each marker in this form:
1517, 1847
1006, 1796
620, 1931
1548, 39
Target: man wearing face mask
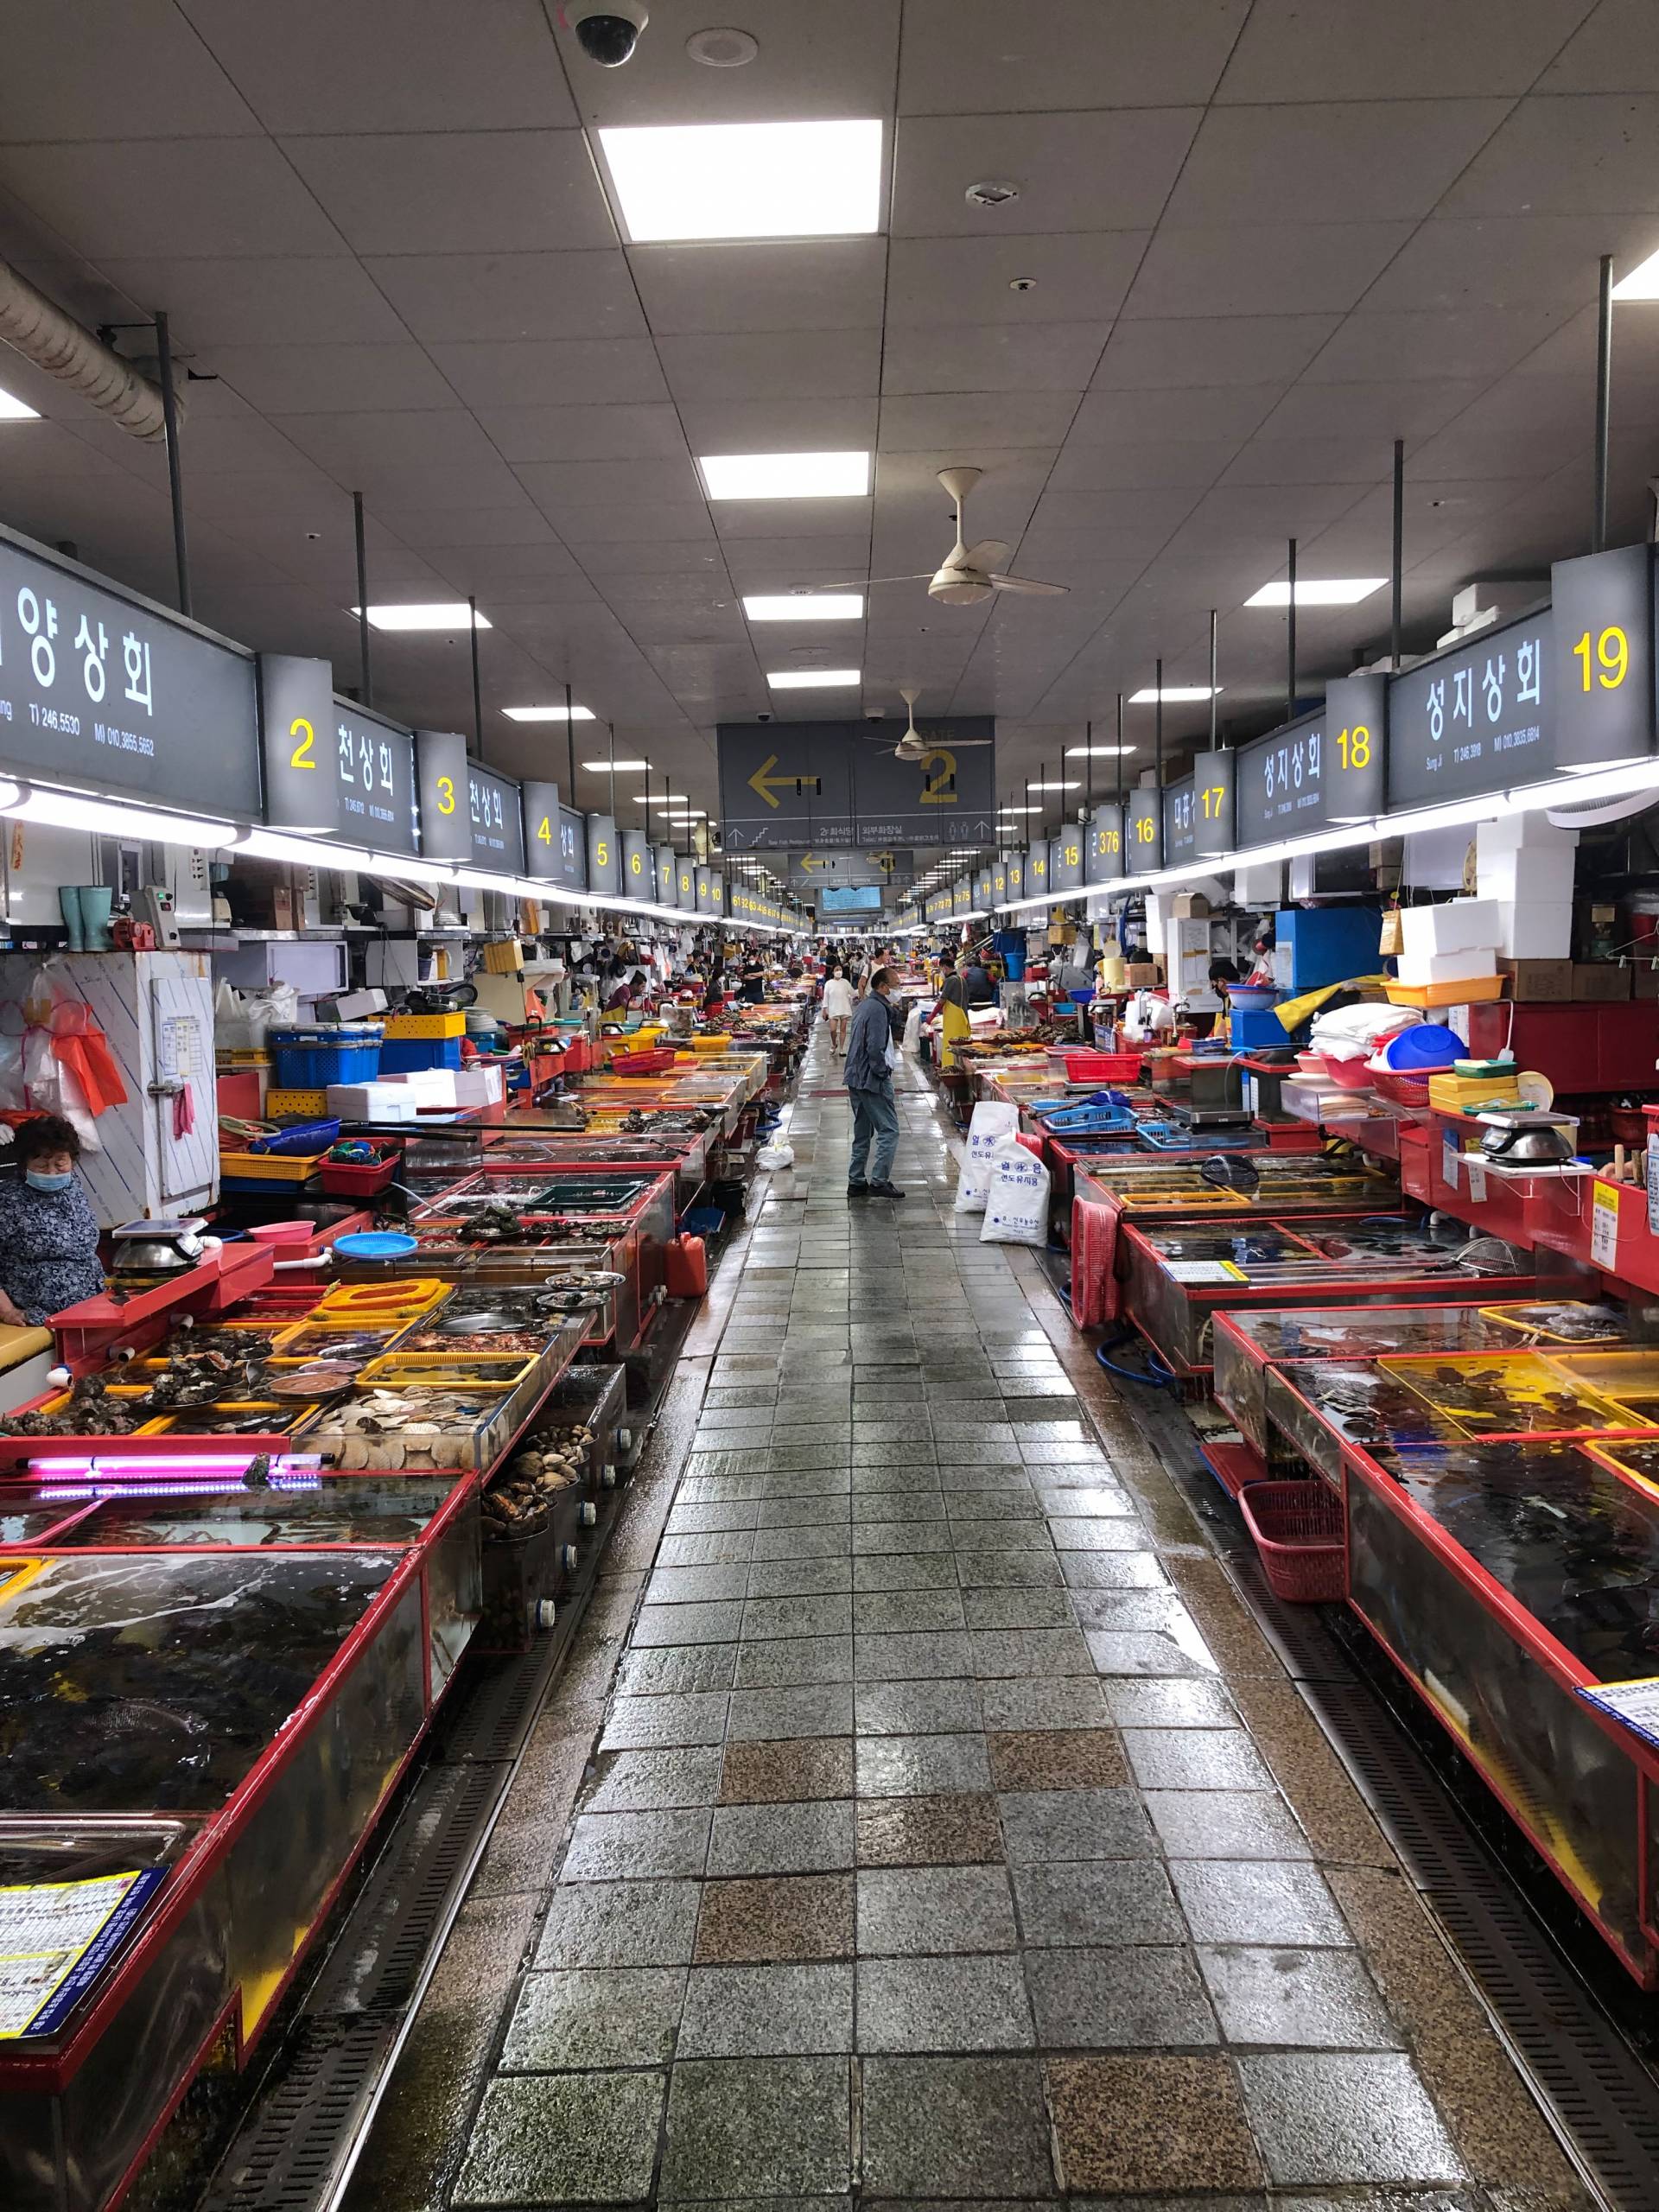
49, 1233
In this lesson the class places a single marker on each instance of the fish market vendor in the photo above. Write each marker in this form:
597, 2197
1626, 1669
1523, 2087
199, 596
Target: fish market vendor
49, 1233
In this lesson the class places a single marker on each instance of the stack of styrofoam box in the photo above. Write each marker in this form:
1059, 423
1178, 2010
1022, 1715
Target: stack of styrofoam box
383, 1100
1525, 864
1456, 942
427, 1087
481, 1084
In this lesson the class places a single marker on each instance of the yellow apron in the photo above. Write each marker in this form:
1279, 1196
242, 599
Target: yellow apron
955, 1029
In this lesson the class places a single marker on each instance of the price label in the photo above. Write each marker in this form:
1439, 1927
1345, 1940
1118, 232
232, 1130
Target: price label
1604, 1226
1474, 1168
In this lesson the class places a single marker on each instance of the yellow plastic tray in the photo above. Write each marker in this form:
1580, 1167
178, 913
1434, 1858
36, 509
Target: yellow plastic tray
406, 1026
270, 1166
404, 1296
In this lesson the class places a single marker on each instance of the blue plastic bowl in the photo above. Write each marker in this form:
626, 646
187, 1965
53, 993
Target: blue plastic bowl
377, 1245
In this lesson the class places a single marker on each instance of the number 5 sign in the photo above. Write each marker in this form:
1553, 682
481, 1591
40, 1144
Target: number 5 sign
1601, 619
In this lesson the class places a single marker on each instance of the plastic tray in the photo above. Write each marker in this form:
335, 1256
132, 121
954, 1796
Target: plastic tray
236, 1167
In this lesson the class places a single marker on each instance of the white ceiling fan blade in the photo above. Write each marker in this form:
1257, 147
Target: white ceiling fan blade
862, 583
986, 555
1029, 584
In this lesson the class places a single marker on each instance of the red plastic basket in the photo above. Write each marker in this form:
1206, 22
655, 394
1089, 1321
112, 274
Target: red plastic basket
351, 1178
1297, 1530
1403, 1089
1102, 1067
641, 1063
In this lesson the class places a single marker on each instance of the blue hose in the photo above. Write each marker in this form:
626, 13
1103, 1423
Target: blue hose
1156, 1376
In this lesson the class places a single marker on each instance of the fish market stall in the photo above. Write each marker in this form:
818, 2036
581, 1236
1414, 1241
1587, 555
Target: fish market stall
1279, 1184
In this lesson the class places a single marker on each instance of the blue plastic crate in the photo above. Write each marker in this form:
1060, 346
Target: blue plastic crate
407, 1055
310, 1060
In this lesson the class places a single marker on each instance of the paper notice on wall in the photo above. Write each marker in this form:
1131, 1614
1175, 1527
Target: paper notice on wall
1474, 1169
1450, 1157
55, 1940
1604, 1226
1204, 1271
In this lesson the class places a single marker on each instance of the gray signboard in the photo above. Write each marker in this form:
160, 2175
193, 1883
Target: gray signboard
1103, 855
1213, 783
1601, 628
296, 735
604, 857
103, 690
496, 818
1180, 822
440, 781
667, 892
1146, 831
1476, 719
880, 864
639, 865
832, 786
1065, 860
375, 760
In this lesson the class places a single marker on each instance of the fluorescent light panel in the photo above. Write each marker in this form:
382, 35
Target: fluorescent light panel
1642, 284
1074, 785
69, 811
1174, 694
1099, 752
433, 614
604, 767
548, 713
1319, 591
802, 607
785, 475
746, 180
812, 679
13, 409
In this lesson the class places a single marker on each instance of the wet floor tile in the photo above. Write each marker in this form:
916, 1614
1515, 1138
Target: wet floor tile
1002, 1608
1225, 1824
807, 1839
833, 1542
611, 2016
951, 1831
916, 1708
1115, 1570
1042, 1653
1096, 1901
643, 1781
1132, 1997
1150, 1652
917, 1655
757, 2128
1057, 1758
563, 2138
1024, 1702
909, 1911
1335, 2117
921, 1766
776, 1917
943, 2128
798, 1578
904, 1571
765, 1618
1195, 1759
1152, 1702
718, 1623
1008, 1570
636, 1846
671, 1586
794, 1662
619, 1924
785, 1772
760, 2012
1257, 1901
678, 1669
884, 1611
662, 1722
1041, 1826
943, 2004
1154, 2124
815, 1709
1296, 1998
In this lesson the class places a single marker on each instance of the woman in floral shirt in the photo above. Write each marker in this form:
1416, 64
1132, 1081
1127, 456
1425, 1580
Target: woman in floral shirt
49, 1233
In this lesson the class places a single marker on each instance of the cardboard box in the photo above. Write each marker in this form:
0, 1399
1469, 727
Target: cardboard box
1530, 930
1419, 968
1602, 980
1539, 873
1142, 975
1188, 905
1543, 982
1458, 925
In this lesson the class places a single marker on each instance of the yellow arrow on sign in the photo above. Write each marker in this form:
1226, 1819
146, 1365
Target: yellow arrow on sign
810, 861
881, 860
763, 782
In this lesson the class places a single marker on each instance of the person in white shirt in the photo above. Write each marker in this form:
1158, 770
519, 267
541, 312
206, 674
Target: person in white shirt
838, 1009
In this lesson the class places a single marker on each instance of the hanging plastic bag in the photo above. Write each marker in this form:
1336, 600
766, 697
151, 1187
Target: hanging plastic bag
83, 1051
1016, 1204
993, 1119
913, 1029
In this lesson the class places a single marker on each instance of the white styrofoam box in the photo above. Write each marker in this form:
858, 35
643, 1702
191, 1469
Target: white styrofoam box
1539, 930
479, 1086
426, 1086
1537, 875
1435, 859
1419, 968
371, 1102
1459, 925
1158, 904
1259, 883
1513, 833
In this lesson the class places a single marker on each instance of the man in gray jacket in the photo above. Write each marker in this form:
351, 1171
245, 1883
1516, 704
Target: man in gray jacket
870, 1086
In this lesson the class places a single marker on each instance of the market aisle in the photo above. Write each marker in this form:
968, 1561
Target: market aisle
924, 1851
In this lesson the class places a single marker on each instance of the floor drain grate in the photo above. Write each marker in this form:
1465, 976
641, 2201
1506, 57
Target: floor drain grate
286, 2160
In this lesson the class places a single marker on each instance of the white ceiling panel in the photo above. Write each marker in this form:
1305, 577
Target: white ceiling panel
812, 284
1268, 268
1362, 160
1617, 50
123, 69
458, 191
393, 64
584, 434
1523, 261
330, 380
966, 56
747, 426
1589, 154
555, 484
1355, 50
685, 521
506, 528
1079, 277
1477, 343
272, 300
788, 518
1297, 460
461, 296
536, 373
1068, 169
190, 196
968, 420
779, 364
1374, 414
965, 357
773, 564
1220, 412
1154, 354
1136, 464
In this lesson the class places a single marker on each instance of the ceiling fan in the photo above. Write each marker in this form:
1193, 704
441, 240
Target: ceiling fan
913, 746
969, 573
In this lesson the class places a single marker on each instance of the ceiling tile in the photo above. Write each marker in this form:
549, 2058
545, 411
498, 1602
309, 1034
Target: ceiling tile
1272, 269
778, 365
965, 357
812, 284
1589, 154
1068, 169
1311, 460
961, 56
1278, 511
814, 63
1222, 411
584, 434
972, 419
686, 520
1134, 464
505, 529
1082, 276
460, 297
1354, 50
533, 373
640, 557
1521, 262
1617, 50
1154, 354
786, 518
1474, 343
199, 196
1373, 414
388, 65
1364, 159
329, 379
270, 301
458, 191
447, 437
125, 69
555, 485
773, 564
780, 425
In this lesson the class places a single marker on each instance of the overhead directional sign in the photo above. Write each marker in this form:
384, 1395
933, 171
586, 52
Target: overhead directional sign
880, 864
829, 786
1180, 822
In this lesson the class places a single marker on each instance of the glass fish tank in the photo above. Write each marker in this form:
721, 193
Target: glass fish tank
321, 1511
1288, 1183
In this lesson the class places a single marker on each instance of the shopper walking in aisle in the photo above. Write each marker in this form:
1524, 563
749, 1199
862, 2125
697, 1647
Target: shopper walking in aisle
838, 1009
869, 1087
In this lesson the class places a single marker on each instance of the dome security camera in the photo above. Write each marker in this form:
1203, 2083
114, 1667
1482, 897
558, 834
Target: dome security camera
606, 30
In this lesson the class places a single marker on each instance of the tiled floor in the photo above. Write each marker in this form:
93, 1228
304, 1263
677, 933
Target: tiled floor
924, 1851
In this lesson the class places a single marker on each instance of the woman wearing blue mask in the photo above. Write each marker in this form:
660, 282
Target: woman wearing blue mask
48, 1234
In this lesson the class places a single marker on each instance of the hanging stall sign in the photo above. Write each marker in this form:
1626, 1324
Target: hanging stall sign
496, 817
1602, 622
375, 760
687, 880
667, 877
639, 865
999, 879
1015, 864
441, 766
705, 890
1476, 719
573, 847
103, 690
1180, 821
1146, 831
1037, 870
604, 857
296, 720
961, 895
1354, 755
543, 840
984, 893
1278, 790
1065, 860
1103, 847
1212, 781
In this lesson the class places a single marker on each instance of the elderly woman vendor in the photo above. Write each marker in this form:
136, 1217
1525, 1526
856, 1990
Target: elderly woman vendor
49, 1233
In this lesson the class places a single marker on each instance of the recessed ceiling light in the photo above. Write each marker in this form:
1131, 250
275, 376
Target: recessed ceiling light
1322, 591
1008, 811
1097, 751
604, 767
803, 607
746, 180
12, 409
1071, 786
1175, 693
548, 713
720, 47
438, 614
811, 679
1642, 284
785, 475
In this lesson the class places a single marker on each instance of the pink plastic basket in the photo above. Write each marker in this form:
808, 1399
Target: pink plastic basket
1297, 1530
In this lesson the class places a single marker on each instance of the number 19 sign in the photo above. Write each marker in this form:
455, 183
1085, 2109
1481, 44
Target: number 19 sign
1602, 616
